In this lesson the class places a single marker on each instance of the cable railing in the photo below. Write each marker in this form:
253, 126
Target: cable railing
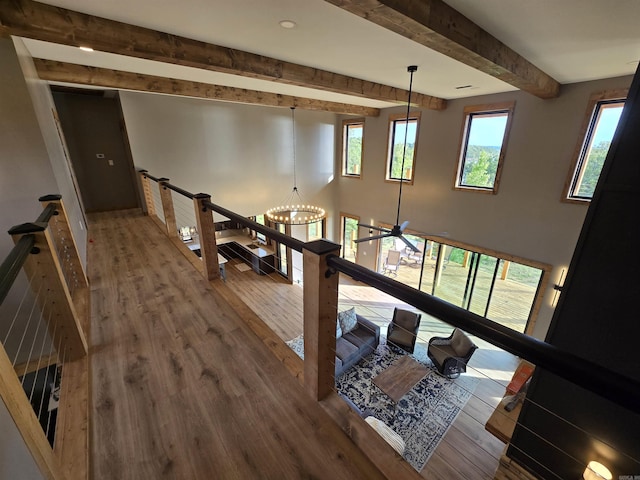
43, 307
593, 377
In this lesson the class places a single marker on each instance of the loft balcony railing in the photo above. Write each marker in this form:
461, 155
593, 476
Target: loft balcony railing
43, 360
166, 203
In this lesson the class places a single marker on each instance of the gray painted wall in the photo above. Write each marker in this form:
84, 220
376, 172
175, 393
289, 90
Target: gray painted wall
526, 218
242, 155
25, 174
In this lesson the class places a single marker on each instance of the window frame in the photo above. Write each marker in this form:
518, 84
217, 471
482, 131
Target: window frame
343, 217
393, 119
478, 111
589, 123
345, 144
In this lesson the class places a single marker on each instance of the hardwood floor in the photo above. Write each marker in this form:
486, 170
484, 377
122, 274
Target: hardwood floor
182, 388
467, 450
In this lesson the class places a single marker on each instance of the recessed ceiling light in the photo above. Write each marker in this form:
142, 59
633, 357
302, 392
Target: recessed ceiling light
287, 24
86, 49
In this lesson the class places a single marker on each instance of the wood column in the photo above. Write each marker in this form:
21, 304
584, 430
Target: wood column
64, 239
21, 411
63, 321
148, 196
167, 208
207, 233
320, 313
505, 270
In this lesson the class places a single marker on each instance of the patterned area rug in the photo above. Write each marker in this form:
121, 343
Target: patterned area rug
423, 415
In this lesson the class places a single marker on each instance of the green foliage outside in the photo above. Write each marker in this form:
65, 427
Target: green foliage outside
592, 168
354, 155
396, 161
480, 166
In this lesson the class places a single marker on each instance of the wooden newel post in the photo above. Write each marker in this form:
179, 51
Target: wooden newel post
63, 237
320, 313
43, 269
146, 191
167, 208
207, 234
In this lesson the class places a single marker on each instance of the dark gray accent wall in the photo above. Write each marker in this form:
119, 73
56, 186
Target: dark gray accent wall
102, 163
597, 319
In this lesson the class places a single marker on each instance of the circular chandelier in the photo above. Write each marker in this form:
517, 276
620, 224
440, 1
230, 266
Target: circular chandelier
293, 211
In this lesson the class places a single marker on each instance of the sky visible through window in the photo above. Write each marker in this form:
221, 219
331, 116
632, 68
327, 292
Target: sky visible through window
488, 131
609, 118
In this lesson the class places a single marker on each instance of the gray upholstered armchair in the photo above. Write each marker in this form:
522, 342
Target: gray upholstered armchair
403, 329
451, 354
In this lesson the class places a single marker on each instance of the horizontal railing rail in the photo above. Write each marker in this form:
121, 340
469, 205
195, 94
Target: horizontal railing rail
290, 242
149, 176
609, 384
179, 190
13, 264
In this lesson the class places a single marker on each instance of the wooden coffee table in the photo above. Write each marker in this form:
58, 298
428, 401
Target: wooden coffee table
397, 380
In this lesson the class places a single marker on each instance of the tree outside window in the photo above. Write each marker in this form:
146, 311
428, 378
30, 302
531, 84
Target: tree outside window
483, 146
398, 128
595, 146
352, 141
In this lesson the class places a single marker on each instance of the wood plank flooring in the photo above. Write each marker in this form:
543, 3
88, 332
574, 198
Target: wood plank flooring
182, 388
467, 450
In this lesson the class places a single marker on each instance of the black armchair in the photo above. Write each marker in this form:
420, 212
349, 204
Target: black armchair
403, 329
451, 354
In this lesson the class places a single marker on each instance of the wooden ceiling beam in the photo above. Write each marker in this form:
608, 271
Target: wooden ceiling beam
26, 18
436, 25
53, 71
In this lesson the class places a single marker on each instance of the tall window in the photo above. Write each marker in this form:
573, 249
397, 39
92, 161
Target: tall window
398, 127
602, 119
349, 234
314, 231
483, 146
260, 220
352, 143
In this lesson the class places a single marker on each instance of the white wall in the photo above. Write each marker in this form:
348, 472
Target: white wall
526, 218
241, 154
43, 106
25, 175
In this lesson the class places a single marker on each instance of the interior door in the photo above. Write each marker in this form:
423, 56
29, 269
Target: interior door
99, 151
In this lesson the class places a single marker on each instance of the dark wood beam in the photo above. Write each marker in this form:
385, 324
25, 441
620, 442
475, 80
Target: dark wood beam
53, 71
436, 25
38, 21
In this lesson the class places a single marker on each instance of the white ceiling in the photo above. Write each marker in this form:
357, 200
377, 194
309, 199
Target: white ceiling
571, 40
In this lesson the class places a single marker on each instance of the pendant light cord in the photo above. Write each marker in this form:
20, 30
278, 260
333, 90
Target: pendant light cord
410, 69
293, 137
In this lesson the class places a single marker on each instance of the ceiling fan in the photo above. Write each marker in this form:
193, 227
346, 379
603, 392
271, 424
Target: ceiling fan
398, 229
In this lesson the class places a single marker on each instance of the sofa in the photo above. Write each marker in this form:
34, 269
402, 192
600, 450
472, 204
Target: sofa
356, 343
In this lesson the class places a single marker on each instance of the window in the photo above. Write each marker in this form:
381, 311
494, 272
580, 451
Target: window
398, 129
349, 234
482, 149
352, 142
314, 231
260, 236
603, 114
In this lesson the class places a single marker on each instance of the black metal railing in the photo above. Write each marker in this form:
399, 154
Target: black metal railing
13, 264
609, 384
591, 376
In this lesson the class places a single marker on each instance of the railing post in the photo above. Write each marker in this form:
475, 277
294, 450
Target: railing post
63, 237
167, 208
148, 196
207, 234
59, 308
320, 302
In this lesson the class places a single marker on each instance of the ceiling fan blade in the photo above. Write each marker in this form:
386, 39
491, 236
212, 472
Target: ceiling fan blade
374, 237
409, 244
404, 225
380, 229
